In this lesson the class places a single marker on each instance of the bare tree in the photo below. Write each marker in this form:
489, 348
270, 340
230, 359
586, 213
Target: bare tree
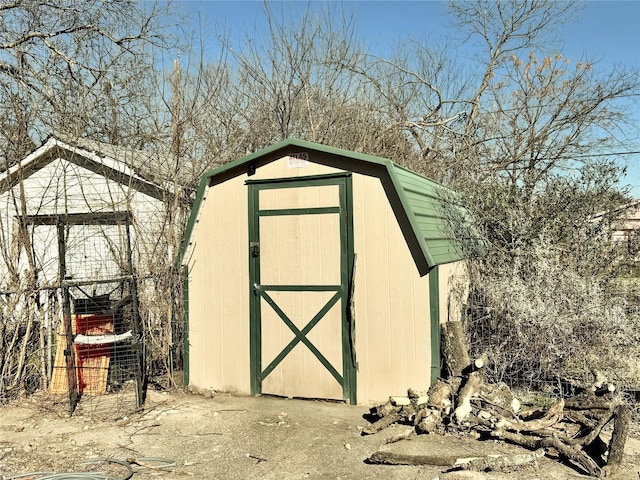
547, 114
288, 83
420, 93
76, 65
539, 135
504, 28
280, 72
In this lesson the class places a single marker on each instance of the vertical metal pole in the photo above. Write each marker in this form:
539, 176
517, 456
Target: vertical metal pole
49, 331
141, 378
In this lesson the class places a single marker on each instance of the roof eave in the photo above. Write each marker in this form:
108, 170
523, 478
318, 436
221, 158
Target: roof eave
54, 148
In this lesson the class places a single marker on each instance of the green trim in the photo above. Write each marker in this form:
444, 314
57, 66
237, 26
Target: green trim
255, 313
300, 336
301, 288
434, 313
299, 211
410, 217
311, 180
191, 223
185, 353
300, 144
349, 366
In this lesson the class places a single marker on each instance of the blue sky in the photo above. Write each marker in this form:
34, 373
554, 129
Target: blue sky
607, 31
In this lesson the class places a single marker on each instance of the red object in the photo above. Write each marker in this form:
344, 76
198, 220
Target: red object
92, 361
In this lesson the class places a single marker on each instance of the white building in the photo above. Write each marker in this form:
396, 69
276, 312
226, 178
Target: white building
85, 191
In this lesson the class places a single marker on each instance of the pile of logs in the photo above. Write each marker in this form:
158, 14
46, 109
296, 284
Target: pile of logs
461, 402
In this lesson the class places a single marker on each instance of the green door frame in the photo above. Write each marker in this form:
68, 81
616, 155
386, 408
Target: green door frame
258, 292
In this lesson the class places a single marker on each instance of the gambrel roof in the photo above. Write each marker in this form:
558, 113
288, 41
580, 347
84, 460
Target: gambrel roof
119, 164
424, 208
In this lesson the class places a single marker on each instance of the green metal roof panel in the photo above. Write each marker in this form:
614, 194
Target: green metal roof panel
427, 205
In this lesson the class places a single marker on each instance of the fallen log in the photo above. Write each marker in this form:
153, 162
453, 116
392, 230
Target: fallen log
580, 418
439, 395
498, 399
381, 424
429, 420
461, 402
401, 436
410, 410
594, 432
385, 409
605, 389
590, 402
470, 388
492, 463
481, 362
570, 452
470, 475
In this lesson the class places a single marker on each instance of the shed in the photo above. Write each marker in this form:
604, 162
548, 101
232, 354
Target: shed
317, 272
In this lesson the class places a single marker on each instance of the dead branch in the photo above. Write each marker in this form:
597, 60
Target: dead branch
383, 423
401, 436
553, 416
440, 395
470, 388
573, 453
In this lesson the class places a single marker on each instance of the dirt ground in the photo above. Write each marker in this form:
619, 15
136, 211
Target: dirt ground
233, 437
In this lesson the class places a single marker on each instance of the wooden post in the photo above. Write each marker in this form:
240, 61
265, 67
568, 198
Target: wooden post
454, 349
618, 439
72, 378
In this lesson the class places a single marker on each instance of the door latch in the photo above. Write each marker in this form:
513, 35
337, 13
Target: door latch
255, 249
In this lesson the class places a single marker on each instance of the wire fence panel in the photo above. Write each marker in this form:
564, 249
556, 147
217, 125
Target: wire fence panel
76, 327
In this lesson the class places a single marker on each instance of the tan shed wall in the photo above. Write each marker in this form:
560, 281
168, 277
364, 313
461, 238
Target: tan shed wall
218, 292
391, 299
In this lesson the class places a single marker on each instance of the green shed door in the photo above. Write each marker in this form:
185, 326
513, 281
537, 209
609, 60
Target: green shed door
300, 255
